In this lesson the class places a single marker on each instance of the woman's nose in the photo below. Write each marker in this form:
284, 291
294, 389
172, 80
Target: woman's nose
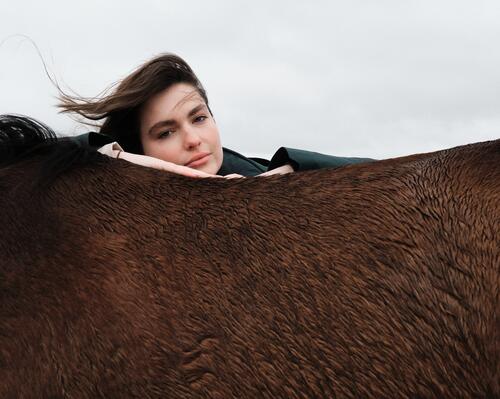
191, 138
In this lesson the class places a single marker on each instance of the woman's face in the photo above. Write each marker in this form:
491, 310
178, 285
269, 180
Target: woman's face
176, 126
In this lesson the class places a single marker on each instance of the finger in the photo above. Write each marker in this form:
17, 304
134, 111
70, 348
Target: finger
233, 176
185, 171
179, 169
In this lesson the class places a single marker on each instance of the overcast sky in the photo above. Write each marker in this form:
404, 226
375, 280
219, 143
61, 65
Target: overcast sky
358, 78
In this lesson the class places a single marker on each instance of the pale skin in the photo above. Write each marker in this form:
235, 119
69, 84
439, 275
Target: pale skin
179, 135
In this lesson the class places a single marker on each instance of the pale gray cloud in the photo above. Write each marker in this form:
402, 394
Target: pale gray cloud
354, 77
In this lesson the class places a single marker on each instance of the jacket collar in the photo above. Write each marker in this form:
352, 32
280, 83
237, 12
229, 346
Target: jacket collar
233, 162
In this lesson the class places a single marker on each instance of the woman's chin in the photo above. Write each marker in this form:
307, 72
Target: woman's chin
210, 167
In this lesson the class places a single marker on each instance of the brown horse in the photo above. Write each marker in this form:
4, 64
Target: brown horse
373, 280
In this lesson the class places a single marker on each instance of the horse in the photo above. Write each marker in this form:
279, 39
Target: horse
371, 280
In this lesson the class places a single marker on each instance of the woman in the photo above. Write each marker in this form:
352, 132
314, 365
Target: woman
159, 116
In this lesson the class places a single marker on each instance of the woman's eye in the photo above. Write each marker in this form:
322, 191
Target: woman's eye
200, 118
165, 134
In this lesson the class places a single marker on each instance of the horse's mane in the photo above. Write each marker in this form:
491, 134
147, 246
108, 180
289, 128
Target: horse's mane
23, 138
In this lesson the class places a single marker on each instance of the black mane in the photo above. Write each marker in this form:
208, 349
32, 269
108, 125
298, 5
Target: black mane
23, 138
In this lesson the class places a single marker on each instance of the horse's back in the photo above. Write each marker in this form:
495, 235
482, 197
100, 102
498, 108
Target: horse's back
371, 280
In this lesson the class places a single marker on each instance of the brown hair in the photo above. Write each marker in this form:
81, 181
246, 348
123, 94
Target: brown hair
120, 109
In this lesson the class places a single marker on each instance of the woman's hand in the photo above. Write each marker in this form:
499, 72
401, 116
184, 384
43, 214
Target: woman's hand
114, 150
232, 176
156, 163
282, 170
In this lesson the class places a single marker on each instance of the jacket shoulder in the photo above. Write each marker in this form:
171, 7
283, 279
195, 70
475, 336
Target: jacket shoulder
309, 160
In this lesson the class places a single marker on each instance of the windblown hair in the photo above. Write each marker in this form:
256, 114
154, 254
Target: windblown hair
22, 138
120, 109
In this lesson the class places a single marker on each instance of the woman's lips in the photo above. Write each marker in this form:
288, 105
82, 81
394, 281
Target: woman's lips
198, 160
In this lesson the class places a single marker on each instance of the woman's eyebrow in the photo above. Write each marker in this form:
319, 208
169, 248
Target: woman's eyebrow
170, 122
196, 109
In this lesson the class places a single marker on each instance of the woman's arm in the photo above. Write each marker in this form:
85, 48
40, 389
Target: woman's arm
114, 150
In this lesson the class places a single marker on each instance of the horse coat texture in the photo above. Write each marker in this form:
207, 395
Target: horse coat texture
373, 280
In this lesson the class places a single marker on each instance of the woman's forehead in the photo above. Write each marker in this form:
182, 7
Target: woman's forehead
190, 96
175, 97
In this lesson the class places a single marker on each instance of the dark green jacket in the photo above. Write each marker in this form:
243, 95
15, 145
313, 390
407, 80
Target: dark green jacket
236, 163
